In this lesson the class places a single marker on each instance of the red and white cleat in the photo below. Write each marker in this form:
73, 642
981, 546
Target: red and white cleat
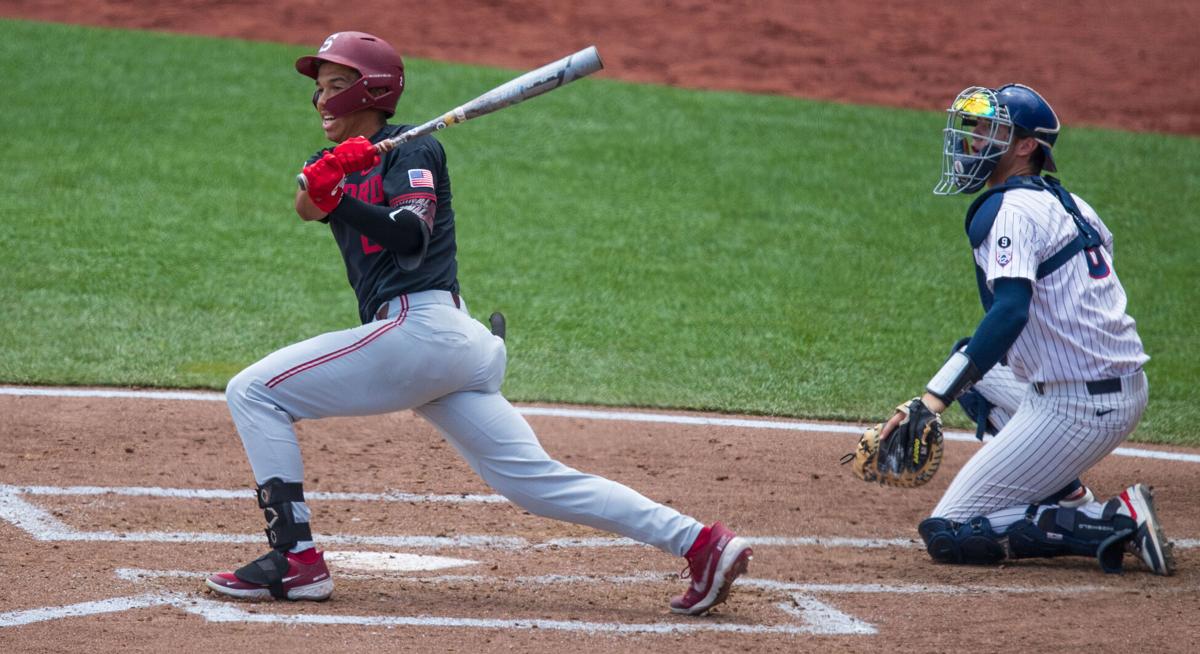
716, 559
301, 576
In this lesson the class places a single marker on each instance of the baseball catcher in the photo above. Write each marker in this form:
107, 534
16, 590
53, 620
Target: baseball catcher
1056, 361
907, 454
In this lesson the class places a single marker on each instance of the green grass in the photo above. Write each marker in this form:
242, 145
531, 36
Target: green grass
651, 246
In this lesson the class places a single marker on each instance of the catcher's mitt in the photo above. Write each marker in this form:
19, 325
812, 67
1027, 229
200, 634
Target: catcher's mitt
910, 454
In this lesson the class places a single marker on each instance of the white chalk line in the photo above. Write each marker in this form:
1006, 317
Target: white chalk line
392, 561
814, 616
60, 530
112, 393
226, 612
585, 414
244, 494
112, 605
138, 574
43, 526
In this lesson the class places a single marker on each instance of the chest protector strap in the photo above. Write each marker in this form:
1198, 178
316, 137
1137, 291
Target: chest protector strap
983, 211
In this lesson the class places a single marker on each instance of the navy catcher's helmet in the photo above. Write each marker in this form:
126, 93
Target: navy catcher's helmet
1030, 112
380, 67
980, 128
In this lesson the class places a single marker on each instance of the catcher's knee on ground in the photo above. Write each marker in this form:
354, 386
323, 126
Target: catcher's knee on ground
974, 542
1055, 531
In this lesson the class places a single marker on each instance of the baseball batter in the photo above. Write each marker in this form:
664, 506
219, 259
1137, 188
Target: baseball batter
1055, 311
417, 348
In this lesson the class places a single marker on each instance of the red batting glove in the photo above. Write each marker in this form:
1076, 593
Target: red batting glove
323, 181
356, 154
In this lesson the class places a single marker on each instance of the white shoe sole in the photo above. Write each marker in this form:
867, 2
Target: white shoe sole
1155, 546
730, 567
313, 592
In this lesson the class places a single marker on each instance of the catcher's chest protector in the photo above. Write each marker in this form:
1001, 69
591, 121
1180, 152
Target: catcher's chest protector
983, 211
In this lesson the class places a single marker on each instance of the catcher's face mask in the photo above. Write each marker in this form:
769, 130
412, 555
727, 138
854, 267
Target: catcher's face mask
978, 132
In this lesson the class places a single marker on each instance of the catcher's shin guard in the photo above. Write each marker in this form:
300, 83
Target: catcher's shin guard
950, 542
275, 498
1067, 531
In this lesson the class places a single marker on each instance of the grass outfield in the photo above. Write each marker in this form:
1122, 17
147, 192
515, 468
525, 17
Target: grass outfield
650, 246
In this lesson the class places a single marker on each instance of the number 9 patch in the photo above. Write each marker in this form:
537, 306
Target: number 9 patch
1003, 250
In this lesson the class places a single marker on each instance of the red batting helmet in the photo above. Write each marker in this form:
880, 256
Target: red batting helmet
376, 61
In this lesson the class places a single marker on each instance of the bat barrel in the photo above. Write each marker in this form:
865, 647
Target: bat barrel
530, 85
586, 61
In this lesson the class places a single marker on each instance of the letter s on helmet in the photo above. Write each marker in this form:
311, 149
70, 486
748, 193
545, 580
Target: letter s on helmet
380, 67
980, 126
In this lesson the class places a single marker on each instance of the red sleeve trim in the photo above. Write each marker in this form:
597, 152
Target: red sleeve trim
413, 196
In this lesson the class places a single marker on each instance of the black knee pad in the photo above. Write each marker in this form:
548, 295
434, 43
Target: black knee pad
974, 542
938, 534
980, 543
274, 498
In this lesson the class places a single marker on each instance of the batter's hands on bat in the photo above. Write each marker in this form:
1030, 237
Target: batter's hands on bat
356, 154
323, 182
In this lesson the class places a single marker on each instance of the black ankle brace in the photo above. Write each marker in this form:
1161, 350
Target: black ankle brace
274, 498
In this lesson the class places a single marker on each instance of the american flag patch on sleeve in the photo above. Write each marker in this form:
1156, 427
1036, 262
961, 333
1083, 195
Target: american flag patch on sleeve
420, 178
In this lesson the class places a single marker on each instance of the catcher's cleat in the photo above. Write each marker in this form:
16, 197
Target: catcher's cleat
1148, 541
301, 576
713, 565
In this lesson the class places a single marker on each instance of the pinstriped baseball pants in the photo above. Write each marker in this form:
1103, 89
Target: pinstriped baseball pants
1051, 438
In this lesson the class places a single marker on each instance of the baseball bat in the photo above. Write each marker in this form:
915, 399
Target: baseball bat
529, 85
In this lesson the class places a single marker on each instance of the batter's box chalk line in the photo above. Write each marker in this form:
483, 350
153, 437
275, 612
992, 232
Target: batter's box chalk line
798, 601
809, 616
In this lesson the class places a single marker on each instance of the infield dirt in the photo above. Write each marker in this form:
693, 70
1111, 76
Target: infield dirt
764, 482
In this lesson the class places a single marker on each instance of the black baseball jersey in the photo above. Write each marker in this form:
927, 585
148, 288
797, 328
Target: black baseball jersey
414, 177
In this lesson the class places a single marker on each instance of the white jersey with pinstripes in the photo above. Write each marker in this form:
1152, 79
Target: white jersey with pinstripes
1078, 328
